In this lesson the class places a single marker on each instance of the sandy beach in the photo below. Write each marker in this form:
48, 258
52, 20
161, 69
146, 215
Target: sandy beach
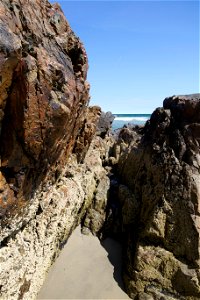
85, 269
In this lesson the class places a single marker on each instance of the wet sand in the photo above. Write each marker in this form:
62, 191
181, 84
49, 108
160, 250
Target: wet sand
85, 269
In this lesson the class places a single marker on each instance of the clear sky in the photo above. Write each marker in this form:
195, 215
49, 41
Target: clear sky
139, 51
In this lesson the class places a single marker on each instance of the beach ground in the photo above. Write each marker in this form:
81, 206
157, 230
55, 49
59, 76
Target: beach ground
85, 269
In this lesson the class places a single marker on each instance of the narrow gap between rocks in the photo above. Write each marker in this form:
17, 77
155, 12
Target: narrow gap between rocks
86, 269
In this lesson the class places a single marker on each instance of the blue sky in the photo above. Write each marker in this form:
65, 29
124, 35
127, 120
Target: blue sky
139, 51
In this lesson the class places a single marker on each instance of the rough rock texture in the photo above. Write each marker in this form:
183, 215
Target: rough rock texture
43, 100
86, 132
94, 219
54, 175
105, 123
158, 192
43, 119
26, 257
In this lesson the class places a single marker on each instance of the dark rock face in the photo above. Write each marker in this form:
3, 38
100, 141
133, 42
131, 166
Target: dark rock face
43, 98
159, 195
105, 123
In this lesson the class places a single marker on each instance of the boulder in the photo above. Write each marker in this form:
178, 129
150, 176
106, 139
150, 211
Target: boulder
44, 94
26, 255
159, 195
105, 123
45, 127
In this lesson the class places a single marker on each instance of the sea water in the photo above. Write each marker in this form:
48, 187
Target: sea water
134, 119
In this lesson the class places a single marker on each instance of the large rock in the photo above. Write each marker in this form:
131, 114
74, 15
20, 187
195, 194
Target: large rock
86, 131
105, 123
159, 195
44, 192
94, 219
26, 256
44, 93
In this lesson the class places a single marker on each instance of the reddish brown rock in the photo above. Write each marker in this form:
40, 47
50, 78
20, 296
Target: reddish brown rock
86, 132
44, 94
45, 127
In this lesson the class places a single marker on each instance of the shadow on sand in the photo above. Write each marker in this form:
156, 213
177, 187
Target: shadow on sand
114, 250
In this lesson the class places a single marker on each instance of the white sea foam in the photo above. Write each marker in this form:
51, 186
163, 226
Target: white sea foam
131, 119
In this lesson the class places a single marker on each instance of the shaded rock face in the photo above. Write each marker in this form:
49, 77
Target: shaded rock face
158, 194
95, 216
105, 123
43, 98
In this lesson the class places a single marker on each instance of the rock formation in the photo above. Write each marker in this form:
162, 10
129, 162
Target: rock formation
44, 94
56, 173
105, 123
43, 119
158, 196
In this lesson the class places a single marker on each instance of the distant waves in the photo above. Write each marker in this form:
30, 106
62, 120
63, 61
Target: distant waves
124, 119
129, 119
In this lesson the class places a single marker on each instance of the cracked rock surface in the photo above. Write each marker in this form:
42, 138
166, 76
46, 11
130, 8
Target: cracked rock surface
43, 99
157, 188
44, 118
26, 256
54, 174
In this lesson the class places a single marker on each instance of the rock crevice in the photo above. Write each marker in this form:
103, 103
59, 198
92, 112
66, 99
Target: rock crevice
157, 194
59, 169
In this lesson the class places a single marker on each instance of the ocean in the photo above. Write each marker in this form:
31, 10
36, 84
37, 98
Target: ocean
135, 119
